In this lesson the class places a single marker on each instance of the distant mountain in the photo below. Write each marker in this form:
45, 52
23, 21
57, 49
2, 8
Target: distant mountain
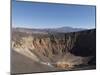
48, 30
65, 29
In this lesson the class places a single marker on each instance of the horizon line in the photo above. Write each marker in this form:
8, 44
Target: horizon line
52, 27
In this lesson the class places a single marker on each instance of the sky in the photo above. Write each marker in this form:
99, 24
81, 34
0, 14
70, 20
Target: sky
47, 15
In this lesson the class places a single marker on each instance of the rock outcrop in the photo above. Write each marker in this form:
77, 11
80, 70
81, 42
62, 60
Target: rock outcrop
61, 50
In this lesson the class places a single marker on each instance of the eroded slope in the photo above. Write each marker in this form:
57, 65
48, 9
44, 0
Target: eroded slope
58, 50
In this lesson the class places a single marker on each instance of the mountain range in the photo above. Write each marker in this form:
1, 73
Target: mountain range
48, 30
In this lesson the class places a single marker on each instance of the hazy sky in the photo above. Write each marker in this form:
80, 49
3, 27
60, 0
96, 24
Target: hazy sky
44, 15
